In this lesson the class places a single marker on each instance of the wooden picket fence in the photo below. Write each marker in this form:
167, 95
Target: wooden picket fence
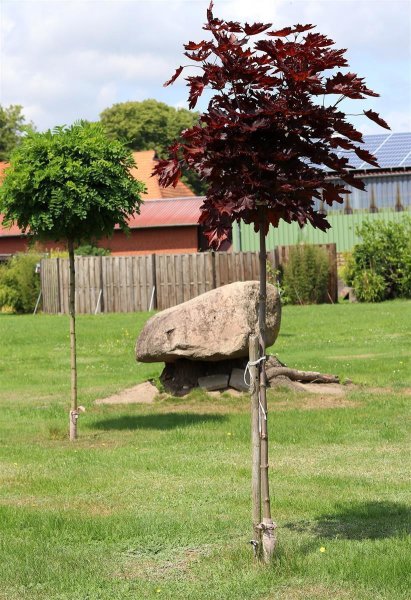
145, 282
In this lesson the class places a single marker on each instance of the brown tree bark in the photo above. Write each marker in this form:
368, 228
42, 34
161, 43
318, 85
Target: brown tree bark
267, 525
73, 358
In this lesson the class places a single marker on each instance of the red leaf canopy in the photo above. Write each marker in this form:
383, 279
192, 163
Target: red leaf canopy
267, 130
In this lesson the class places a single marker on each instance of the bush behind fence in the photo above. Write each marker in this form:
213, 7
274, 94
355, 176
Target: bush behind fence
144, 282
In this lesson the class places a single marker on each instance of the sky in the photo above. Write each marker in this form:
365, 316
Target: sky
65, 60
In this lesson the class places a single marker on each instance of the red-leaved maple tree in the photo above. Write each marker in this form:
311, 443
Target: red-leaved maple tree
271, 126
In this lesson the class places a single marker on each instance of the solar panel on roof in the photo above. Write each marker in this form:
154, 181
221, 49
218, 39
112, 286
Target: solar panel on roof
373, 142
391, 149
354, 161
394, 151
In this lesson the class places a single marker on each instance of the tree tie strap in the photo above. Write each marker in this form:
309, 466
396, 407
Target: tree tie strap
251, 363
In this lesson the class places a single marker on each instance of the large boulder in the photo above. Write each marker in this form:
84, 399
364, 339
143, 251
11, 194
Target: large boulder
214, 326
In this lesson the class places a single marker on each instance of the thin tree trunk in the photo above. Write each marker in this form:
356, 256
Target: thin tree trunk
268, 526
73, 360
255, 447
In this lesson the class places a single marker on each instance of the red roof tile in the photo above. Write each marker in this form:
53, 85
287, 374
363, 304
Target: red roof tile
3, 167
145, 161
168, 212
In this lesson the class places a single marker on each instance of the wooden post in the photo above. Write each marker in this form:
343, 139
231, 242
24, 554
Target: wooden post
214, 274
333, 274
101, 285
255, 447
154, 278
73, 359
58, 286
268, 526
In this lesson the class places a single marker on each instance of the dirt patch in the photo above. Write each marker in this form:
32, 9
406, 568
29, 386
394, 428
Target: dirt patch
387, 390
311, 592
329, 389
314, 396
313, 402
160, 564
334, 389
143, 393
229, 391
318, 394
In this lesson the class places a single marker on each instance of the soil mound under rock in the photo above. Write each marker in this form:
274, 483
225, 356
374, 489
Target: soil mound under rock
181, 376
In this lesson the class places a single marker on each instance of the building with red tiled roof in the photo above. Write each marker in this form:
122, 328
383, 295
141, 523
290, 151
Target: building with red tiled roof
167, 223
146, 161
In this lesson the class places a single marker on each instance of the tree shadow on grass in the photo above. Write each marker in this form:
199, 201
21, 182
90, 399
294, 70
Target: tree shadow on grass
360, 521
160, 422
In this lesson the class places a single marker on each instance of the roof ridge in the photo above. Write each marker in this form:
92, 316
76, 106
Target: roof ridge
171, 199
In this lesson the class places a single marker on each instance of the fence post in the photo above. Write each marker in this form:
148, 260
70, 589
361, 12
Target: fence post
333, 278
98, 302
37, 303
58, 287
277, 258
273, 260
154, 278
213, 269
101, 285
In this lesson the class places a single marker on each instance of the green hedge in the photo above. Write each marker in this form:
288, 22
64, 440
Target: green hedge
19, 283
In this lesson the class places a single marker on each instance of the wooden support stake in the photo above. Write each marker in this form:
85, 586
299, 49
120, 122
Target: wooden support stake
267, 526
255, 448
73, 361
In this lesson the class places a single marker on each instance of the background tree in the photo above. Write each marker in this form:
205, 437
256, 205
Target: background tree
12, 129
261, 145
151, 125
70, 184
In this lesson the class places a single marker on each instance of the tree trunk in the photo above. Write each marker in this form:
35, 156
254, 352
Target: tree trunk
73, 359
255, 447
267, 526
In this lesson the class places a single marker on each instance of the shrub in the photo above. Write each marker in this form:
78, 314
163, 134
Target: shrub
275, 278
83, 250
57, 253
369, 286
379, 268
89, 250
305, 275
19, 283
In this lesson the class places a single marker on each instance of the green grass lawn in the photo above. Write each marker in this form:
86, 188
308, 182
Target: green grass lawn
154, 501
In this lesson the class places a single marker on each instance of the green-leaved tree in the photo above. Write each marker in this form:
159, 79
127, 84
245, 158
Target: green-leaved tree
12, 128
151, 125
71, 184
